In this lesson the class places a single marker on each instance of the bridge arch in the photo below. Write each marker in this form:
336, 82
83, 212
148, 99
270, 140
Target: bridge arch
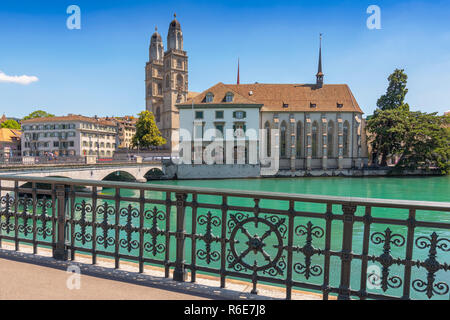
120, 175
154, 174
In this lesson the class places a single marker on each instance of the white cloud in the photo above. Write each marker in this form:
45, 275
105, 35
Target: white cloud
24, 79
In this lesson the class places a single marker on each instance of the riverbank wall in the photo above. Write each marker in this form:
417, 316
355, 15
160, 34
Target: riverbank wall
237, 171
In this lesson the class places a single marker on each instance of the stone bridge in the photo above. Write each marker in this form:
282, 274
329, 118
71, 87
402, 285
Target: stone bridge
128, 171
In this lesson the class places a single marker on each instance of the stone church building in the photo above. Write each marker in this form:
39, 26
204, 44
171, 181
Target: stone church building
320, 126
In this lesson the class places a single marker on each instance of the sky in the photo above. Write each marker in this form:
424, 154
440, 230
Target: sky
99, 69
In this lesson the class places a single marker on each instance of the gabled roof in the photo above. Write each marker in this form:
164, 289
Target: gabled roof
285, 97
7, 135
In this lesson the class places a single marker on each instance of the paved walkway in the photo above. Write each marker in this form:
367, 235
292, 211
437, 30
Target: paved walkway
24, 275
19, 280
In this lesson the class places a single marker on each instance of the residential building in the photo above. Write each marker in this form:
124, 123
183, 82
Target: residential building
126, 129
72, 135
10, 143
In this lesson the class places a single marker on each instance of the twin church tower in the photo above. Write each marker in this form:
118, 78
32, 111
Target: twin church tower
166, 80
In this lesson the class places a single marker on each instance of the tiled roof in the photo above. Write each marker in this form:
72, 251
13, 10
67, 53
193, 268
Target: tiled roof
219, 91
285, 97
7, 135
70, 118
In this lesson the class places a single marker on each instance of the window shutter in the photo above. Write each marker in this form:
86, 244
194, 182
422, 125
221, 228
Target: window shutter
245, 128
234, 114
245, 114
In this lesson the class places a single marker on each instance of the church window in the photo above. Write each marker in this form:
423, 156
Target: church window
268, 136
158, 114
283, 139
159, 89
346, 138
298, 145
167, 81
315, 139
149, 90
179, 81
330, 142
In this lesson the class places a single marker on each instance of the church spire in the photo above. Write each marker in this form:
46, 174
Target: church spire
238, 80
319, 75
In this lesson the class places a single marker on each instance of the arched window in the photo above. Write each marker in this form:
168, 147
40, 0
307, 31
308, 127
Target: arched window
149, 90
167, 81
268, 138
283, 134
180, 82
298, 144
315, 139
159, 89
330, 139
345, 134
158, 114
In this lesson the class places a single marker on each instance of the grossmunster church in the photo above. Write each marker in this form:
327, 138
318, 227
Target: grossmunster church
320, 126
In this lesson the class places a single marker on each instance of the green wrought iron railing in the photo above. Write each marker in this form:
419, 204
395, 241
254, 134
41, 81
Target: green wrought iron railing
332, 245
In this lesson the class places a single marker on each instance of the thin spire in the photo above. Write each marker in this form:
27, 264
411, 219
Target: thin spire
319, 75
238, 80
320, 55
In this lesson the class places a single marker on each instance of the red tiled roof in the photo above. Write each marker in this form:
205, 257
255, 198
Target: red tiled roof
275, 97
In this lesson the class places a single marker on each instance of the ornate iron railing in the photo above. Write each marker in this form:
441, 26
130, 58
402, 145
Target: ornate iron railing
332, 245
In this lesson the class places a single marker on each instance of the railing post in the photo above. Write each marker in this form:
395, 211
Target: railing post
346, 253
60, 251
180, 274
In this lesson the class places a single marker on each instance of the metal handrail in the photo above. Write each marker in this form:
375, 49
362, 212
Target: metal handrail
71, 220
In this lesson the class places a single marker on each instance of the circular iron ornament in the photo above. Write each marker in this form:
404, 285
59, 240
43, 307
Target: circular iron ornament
255, 243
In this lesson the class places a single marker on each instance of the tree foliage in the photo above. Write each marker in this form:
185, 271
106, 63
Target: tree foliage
147, 133
38, 114
396, 91
421, 140
11, 124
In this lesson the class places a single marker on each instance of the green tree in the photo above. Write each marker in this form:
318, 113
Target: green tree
391, 109
11, 124
396, 91
420, 139
426, 141
147, 133
38, 114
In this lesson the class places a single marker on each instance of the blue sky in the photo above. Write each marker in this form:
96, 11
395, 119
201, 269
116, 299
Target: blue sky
99, 70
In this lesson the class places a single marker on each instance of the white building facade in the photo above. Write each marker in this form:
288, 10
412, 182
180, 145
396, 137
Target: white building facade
72, 135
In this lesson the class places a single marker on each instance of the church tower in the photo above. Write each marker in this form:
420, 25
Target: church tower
154, 70
175, 87
167, 82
